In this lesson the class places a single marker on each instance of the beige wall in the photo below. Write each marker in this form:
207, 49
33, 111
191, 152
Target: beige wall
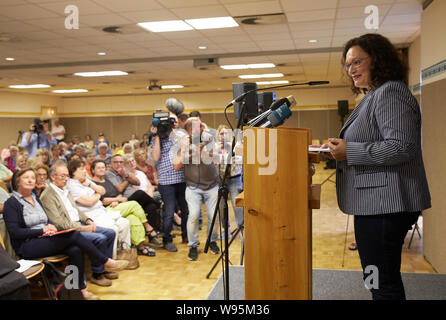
415, 62
433, 97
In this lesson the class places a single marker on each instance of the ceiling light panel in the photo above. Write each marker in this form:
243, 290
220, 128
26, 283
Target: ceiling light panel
165, 26
266, 75
212, 23
101, 73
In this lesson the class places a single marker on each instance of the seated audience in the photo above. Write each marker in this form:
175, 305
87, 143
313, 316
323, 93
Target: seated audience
56, 154
63, 212
5, 174
89, 143
90, 156
32, 233
42, 156
132, 210
42, 171
125, 182
144, 183
103, 153
10, 161
87, 195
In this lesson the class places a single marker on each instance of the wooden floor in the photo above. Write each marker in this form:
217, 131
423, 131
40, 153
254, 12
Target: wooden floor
172, 276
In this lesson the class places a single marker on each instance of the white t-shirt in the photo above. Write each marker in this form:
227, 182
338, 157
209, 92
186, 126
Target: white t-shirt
143, 181
57, 129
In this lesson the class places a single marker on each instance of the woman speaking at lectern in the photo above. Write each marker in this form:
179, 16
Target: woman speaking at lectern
380, 176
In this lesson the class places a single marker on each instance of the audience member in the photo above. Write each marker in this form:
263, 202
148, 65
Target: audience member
63, 212
103, 153
58, 131
56, 155
36, 139
10, 161
87, 195
33, 233
126, 183
131, 210
89, 143
90, 156
144, 183
42, 171
202, 185
42, 156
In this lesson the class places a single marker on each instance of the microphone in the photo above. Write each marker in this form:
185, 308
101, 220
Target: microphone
278, 117
243, 95
288, 102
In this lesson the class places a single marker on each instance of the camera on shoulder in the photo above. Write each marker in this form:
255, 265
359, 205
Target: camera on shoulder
163, 122
37, 126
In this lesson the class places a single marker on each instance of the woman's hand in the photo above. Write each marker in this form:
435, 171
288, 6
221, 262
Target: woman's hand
337, 148
49, 229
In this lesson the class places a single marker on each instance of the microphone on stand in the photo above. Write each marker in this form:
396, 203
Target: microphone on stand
288, 101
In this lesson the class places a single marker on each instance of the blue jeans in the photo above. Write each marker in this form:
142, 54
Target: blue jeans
234, 187
195, 197
102, 239
171, 193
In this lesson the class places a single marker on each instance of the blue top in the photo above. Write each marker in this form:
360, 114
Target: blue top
166, 173
31, 146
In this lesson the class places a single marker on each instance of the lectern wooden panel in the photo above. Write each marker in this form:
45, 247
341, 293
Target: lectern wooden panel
278, 220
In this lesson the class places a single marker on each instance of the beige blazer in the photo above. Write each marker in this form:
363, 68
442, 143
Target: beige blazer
56, 211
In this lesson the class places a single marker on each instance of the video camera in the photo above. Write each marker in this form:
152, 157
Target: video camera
163, 122
37, 127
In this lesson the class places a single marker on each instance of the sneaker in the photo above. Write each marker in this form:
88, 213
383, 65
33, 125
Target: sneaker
169, 246
193, 254
214, 247
119, 265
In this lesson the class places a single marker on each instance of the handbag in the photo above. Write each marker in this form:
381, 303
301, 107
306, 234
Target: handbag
131, 255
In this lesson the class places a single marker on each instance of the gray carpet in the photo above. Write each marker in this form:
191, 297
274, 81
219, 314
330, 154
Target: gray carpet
341, 285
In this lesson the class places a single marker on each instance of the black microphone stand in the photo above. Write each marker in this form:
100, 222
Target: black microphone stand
223, 195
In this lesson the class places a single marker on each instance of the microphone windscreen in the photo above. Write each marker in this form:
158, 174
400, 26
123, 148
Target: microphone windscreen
174, 105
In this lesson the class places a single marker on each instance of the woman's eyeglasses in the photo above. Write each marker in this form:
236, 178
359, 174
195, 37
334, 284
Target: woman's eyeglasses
355, 64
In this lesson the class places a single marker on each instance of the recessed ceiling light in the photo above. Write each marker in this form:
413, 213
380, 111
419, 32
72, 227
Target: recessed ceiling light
266, 75
212, 23
202, 47
173, 86
29, 86
70, 91
101, 74
9, 59
312, 41
262, 83
248, 66
102, 53
165, 26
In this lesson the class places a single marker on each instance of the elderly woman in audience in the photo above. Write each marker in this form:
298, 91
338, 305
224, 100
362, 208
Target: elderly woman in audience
86, 195
42, 172
33, 235
103, 153
10, 161
115, 200
126, 149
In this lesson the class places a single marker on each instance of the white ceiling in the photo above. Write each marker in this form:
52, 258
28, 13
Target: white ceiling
44, 50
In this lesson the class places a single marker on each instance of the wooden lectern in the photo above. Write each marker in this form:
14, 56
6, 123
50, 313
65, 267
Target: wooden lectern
277, 210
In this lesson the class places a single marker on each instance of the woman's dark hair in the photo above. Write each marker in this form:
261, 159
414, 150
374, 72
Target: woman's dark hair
74, 165
387, 62
94, 163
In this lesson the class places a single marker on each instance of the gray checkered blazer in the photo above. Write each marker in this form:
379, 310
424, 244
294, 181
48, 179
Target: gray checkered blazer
384, 170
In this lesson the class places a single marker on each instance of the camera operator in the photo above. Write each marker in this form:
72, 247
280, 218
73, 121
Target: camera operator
38, 137
202, 181
171, 183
